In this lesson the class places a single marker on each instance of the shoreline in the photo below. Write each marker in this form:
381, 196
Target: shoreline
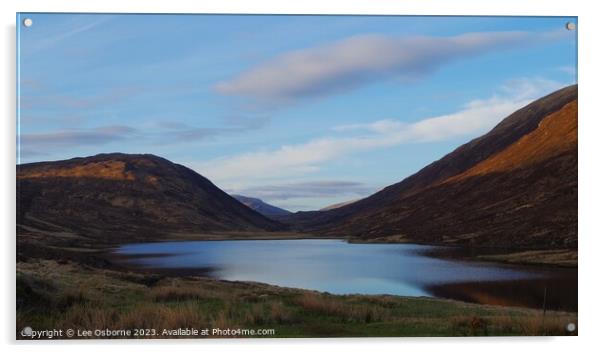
562, 258
81, 296
450, 253
71, 284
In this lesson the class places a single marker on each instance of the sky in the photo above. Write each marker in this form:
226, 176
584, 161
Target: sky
300, 111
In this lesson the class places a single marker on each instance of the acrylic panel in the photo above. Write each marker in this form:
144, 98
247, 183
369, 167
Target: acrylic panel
272, 176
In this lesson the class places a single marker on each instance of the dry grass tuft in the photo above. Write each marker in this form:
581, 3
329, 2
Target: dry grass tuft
471, 326
178, 294
66, 297
141, 316
543, 326
348, 311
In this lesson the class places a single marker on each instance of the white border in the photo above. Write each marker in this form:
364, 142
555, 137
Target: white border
590, 152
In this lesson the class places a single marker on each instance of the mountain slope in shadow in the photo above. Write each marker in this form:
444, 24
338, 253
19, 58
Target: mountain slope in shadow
110, 194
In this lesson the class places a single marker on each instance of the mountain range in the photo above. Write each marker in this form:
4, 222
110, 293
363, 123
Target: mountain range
515, 186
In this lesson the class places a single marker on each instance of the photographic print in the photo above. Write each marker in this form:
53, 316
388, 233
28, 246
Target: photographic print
284, 176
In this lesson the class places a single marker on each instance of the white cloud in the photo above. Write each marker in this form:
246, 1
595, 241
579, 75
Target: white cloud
475, 117
528, 88
362, 59
568, 69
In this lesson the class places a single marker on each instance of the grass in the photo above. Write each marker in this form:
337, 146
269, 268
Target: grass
52, 295
565, 258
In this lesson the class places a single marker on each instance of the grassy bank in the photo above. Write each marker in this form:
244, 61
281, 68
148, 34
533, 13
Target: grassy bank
53, 295
563, 258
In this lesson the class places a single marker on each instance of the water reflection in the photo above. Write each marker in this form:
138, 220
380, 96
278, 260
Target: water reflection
339, 267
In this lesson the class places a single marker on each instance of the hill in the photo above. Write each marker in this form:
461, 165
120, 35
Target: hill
108, 195
515, 186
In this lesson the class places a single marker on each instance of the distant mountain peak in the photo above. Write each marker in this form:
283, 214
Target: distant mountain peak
261, 206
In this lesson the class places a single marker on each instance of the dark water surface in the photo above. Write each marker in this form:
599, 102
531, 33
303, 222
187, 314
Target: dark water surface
339, 267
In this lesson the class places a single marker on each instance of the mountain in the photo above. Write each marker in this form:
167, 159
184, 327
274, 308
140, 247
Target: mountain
515, 186
337, 205
260, 206
106, 195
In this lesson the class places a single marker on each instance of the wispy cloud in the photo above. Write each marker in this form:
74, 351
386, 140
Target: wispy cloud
567, 69
67, 102
85, 23
529, 88
26, 153
311, 189
159, 133
80, 137
177, 132
359, 60
475, 117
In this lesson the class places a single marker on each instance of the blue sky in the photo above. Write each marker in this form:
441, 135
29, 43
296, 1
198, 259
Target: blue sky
301, 111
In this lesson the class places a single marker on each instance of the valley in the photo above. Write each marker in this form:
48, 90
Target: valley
505, 200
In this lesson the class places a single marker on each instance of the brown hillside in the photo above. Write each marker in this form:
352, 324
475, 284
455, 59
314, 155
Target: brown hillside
113, 170
556, 134
515, 186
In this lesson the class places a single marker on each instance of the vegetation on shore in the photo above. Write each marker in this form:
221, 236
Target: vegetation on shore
67, 295
564, 258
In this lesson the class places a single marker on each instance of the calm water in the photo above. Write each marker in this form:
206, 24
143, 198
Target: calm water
339, 267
